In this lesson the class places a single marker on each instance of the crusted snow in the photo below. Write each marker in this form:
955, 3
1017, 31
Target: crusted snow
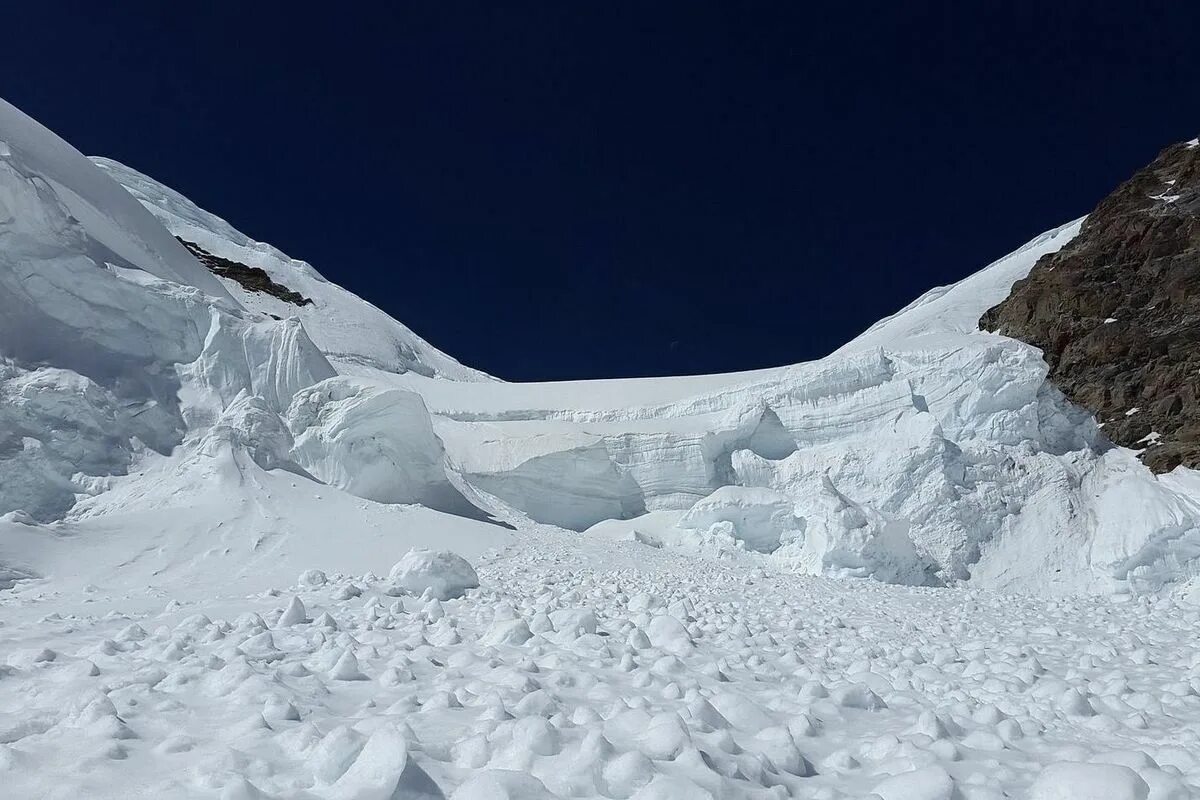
314, 557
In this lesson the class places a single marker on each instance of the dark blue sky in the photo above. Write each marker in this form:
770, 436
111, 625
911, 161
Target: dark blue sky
563, 190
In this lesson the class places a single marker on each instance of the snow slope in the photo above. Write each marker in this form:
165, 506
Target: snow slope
353, 334
96, 203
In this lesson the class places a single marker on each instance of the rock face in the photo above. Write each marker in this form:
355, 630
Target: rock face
1117, 312
252, 279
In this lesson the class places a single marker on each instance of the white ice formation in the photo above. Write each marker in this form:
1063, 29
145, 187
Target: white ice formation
924, 451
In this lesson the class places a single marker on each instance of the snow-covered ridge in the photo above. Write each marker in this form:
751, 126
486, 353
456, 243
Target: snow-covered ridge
355, 335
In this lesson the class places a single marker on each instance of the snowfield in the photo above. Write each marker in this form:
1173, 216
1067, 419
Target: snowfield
254, 549
595, 669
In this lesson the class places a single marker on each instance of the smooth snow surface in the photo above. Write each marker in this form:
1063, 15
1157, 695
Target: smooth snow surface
256, 550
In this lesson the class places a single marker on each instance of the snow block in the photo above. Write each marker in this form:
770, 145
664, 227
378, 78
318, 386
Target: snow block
447, 574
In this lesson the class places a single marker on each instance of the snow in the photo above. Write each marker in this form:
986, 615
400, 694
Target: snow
355, 336
98, 205
372, 441
760, 517
445, 575
746, 677
1068, 781
314, 557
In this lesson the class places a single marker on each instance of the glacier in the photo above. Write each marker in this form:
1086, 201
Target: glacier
924, 451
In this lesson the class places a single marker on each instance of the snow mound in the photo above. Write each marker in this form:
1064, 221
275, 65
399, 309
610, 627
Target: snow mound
447, 575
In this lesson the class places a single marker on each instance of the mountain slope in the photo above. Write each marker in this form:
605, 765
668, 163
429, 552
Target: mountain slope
353, 334
925, 451
1116, 313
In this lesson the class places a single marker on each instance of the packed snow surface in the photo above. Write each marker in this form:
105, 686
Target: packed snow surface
252, 549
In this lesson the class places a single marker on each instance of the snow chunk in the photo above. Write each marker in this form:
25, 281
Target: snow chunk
312, 577
846, 539
294, 614
501, 784
447, 574
574, 621
668, 633
762, 518
1071, 781
930, 783
383, 771
507, 631
372, 441
346, 668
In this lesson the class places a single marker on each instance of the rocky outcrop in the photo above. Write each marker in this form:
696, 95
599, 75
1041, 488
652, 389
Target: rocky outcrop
1116, 312
252, 279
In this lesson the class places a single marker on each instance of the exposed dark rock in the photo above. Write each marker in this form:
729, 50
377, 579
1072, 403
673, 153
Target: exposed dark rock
1117, 312
252, 279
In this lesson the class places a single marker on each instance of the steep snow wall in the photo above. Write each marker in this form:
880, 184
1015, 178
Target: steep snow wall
114, 341
373, 441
